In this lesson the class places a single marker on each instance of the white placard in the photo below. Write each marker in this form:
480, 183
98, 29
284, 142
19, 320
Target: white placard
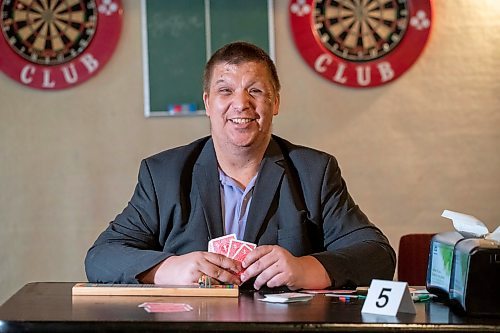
388, 298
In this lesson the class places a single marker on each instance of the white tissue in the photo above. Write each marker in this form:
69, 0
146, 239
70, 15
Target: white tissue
467, 225
494, 236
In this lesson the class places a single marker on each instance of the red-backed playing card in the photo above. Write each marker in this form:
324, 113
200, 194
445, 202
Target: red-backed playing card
235, 245
242, 252
221, 244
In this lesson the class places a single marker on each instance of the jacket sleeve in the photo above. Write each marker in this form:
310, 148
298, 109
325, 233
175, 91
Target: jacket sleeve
356, 250
129, 245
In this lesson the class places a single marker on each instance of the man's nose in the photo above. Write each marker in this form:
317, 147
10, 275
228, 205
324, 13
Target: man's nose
241, 100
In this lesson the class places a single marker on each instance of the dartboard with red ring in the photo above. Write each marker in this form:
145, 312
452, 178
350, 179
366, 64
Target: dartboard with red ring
360, 43
56, 44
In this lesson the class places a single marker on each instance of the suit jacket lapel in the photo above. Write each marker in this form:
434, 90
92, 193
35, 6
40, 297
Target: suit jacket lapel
268, 181
206, 177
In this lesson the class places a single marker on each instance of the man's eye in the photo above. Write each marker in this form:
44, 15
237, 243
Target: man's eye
224, 90
255, 91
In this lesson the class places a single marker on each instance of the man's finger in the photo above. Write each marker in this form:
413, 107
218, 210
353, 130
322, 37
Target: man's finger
257, 268
223, 262
253, 256
266, 276
272, 278
222, 268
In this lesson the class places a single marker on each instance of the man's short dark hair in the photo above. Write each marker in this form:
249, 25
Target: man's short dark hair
236, 53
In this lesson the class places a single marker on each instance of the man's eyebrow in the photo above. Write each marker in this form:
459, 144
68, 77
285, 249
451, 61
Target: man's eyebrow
219, 81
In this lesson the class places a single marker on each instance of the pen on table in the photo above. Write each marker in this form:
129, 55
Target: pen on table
346, 297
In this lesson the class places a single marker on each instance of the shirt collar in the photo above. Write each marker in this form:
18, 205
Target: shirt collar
225, 180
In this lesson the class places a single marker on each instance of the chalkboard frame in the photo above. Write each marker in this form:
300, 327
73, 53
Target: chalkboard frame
185, 108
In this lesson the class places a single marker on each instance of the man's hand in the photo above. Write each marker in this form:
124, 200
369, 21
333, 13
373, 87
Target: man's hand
274, 266
187, 269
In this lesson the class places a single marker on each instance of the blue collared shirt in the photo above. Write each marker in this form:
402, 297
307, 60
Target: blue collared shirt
235, 203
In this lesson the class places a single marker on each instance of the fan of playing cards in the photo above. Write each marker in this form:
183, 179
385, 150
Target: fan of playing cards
231, 247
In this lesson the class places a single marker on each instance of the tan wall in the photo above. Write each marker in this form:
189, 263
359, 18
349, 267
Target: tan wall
426, 142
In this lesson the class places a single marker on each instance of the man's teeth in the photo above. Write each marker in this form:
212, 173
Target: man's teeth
241, 120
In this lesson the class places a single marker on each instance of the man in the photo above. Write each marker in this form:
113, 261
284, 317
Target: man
289, 200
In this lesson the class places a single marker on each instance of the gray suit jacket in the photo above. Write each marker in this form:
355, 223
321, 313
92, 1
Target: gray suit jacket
300, 202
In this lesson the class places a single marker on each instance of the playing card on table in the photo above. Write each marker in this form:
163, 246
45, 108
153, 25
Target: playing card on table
221, 244
286, 298
165, 307
235, 245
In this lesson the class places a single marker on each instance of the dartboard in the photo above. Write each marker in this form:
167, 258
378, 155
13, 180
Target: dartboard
360, 43
49, 32
360, 30
53, 44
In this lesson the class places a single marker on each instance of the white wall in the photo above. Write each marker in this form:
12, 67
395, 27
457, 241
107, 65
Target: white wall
428, 141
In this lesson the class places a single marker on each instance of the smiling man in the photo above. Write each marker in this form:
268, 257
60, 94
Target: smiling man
289, 200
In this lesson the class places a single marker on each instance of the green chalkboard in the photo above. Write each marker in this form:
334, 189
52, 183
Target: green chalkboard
178, 38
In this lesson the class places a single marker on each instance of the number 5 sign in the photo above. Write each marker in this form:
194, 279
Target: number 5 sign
388, 298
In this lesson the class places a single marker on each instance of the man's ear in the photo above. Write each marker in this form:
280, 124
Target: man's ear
205, 101
276, 106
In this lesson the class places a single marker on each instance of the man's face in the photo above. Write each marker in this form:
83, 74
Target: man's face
241, 103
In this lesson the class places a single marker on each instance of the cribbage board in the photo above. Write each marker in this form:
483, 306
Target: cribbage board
95, 289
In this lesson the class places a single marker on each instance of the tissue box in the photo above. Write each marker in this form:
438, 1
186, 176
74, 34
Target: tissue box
440, 263
465, 271
475, 276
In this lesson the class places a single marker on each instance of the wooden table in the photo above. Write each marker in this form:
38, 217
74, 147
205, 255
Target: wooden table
50, 307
